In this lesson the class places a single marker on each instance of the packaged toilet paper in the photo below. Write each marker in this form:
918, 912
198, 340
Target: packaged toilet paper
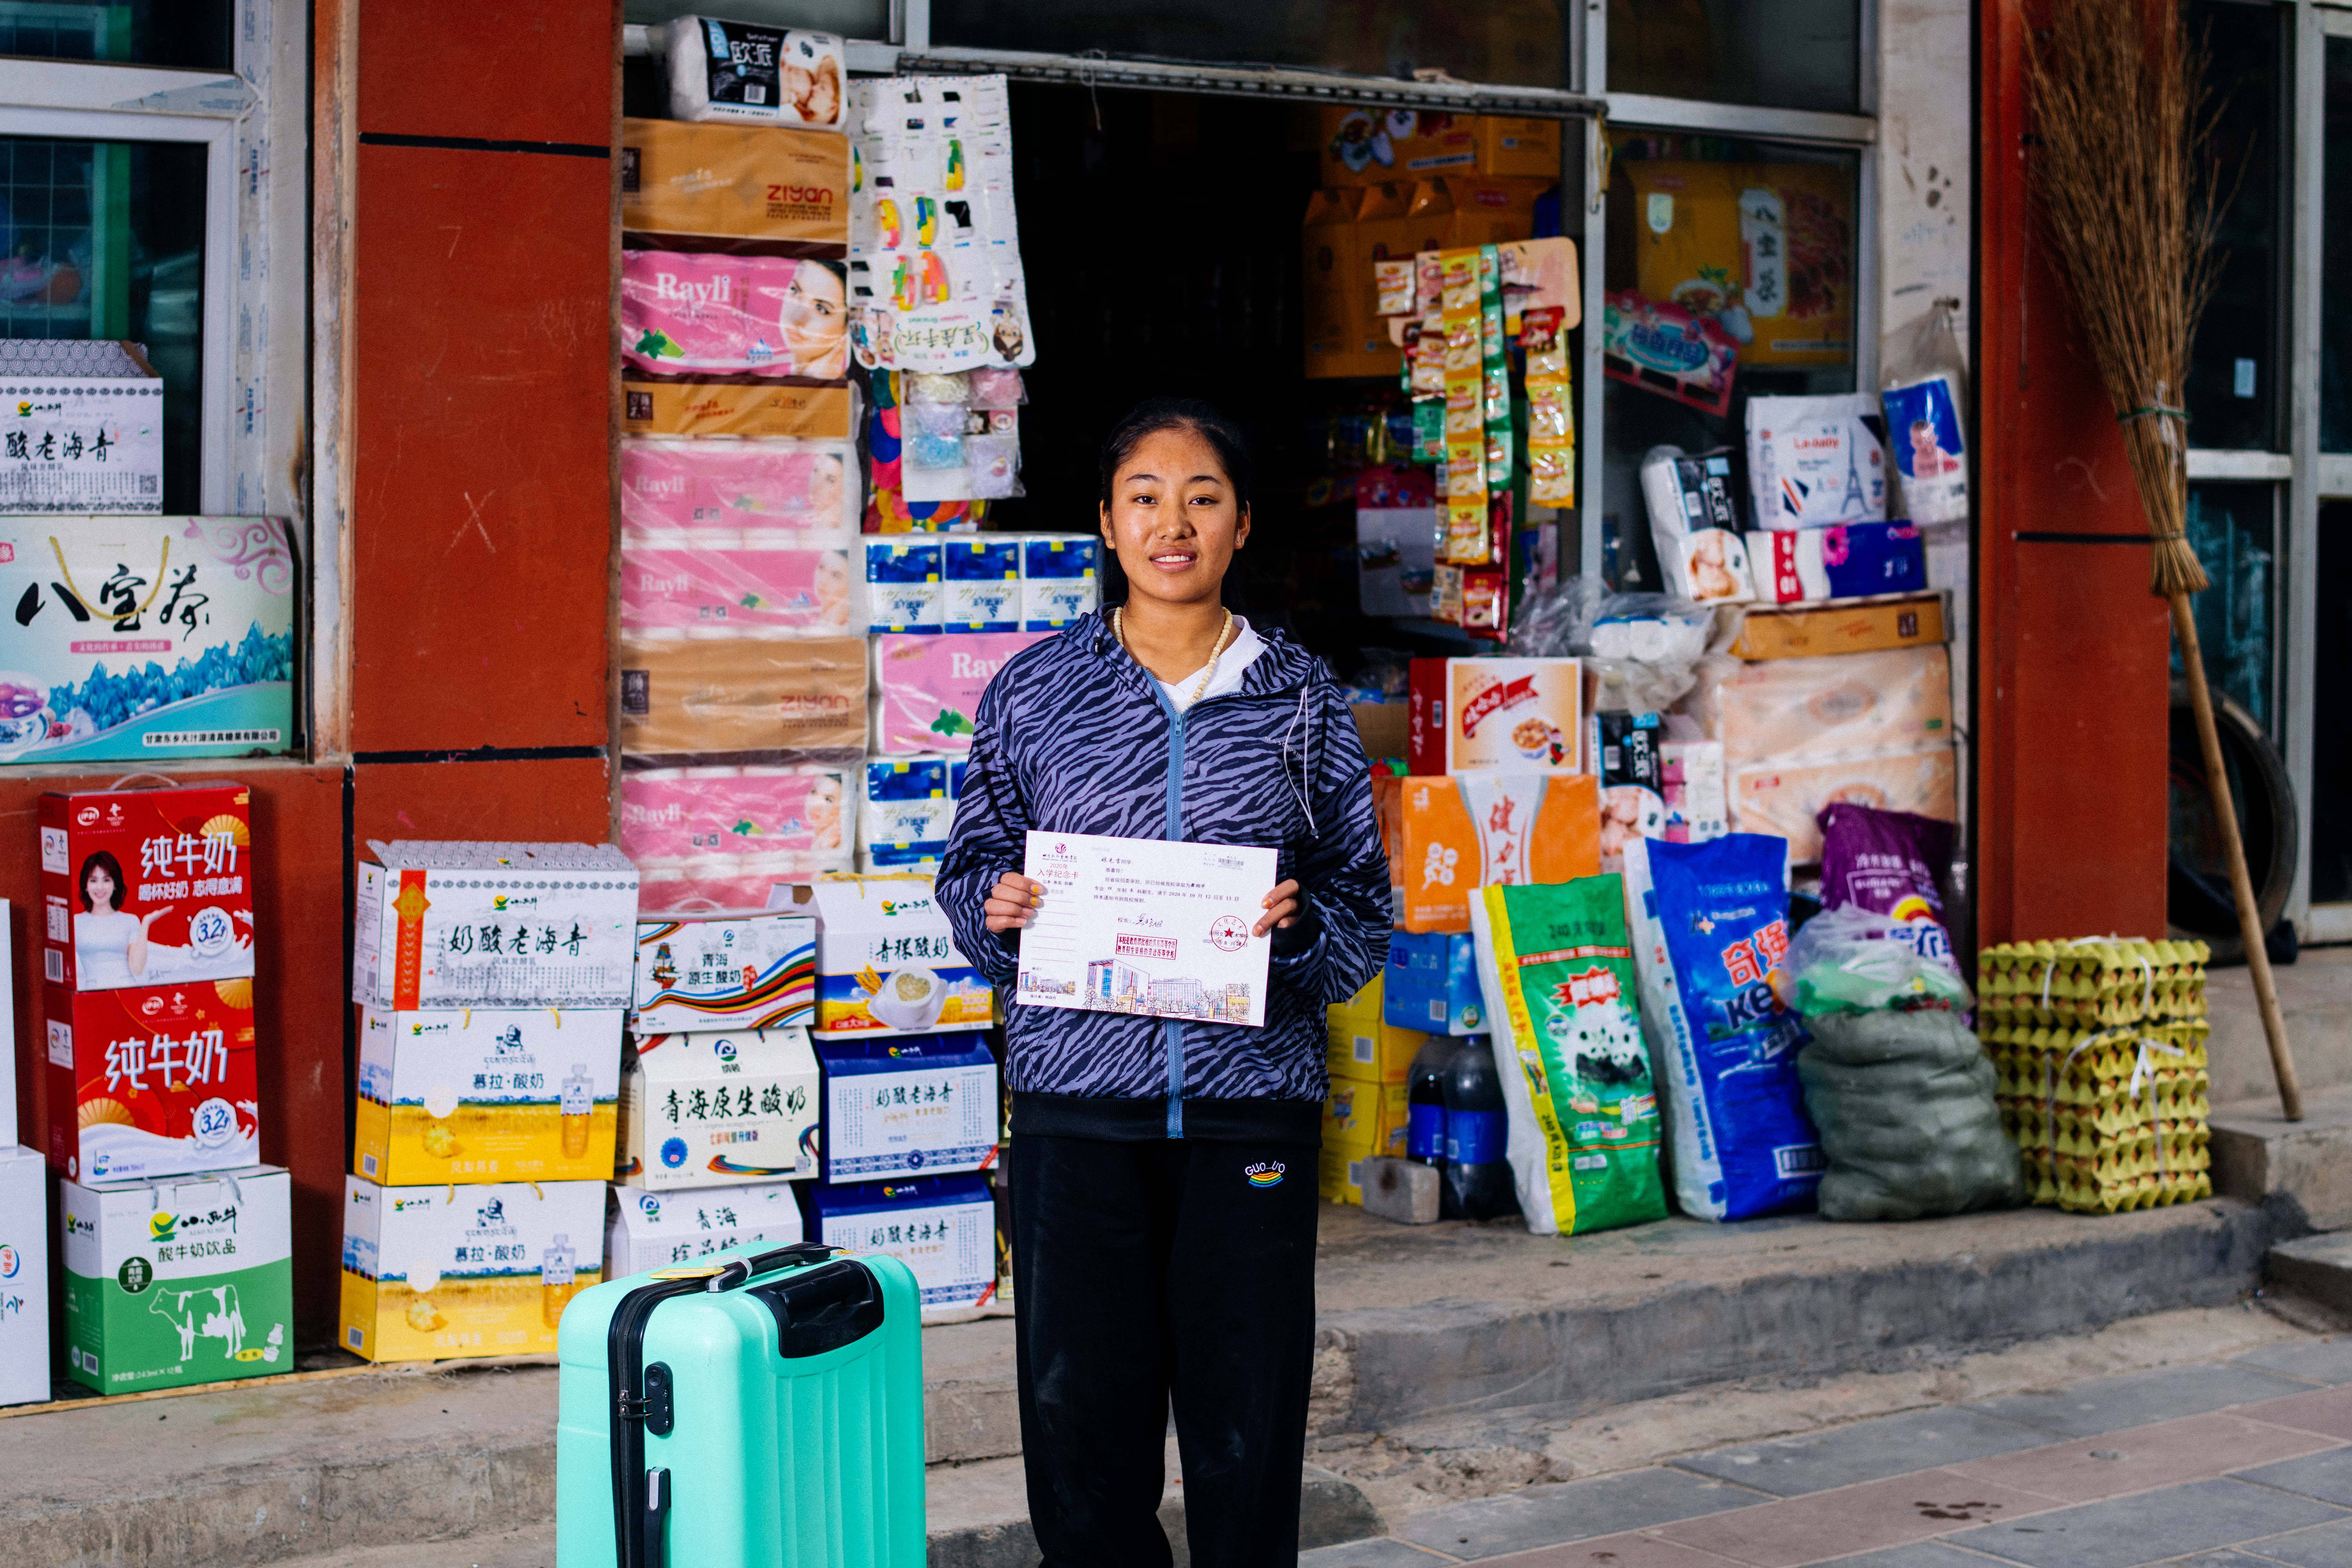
810, 487
1061, 580
927, 690
687, 313
1695, 525
905, 589
742, 699
759, 76
905, 810
983, 583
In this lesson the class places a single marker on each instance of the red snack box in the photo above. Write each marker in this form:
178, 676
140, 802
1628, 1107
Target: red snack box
147, 888
152, 1082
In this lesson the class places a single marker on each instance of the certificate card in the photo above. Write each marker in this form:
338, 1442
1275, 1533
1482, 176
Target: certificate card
1142, 925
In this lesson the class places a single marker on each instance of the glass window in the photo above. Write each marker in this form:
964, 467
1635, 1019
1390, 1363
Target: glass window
850, 18
1518, 43
2233, 528
2335, 305
106, 239
2331, 730
1730, 273
192, 33
1778, 54
2233, 390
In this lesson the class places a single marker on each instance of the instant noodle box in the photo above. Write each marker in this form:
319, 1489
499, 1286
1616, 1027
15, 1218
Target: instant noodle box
479, 1094
1448, 835
151, 1083
739, 972
918, 1106
173, 1283
660, 1230
1518, 713
708, 1110
490, 924
942, 1228
143, 888
886, 963
438, 1272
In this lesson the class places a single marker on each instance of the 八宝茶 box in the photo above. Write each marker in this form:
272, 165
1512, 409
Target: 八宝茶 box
494, 925
487, 1094
143, 888
440, 1272
901, 1107
152, 1083
735, 972
707, 1110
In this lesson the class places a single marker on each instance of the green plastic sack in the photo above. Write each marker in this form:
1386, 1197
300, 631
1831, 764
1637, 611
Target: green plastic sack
1557, 968
1904, 1103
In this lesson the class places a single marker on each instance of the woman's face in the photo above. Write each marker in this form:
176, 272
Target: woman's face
823, 812
815, 323
98, 888
1173, 520
825, 487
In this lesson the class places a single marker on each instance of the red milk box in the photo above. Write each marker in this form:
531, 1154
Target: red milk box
147, 888
152, 1082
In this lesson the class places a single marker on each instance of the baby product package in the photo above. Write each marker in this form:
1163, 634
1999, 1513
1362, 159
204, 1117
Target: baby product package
927, 690
151, 887
1843, 561
1816, 460
734, 971
722, 183
942, 1228
710, 313
886, 962
742, 699
740, 579
1625, 751
1711, 928
437, 1271
171, 1283
1556, 965
718, 1107
1697, 807
905, 585
1450, 834
726, 824
1519, 713
479, 1094
1923, 428
754, 75
924, 1106
905, 812
983, 583
1695, 526
1060, 579
1788, 798
155, 1082
660, 1230
1430, 985
489, 924
808, 487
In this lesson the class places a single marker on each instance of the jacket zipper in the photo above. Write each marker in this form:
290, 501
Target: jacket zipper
1171, 1030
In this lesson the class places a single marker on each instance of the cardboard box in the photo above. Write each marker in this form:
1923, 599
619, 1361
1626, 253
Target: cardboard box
1363, 1046
741, 972
1343, 339
174, 1283
786, 187
1805, 632
1364, 1118
24, 1276
152, 1084
1431, 983
687, 701
438, 1272
710, 1110
146, 888
1446, 836
84, 421
476, 1095
437, 924
886, 963
660, 1230
1383, 728
1481, 211
1340, 1174
925, 1106
1365, 146
942, 1228
734, 408
1518, 713
8, 1026
1767, 246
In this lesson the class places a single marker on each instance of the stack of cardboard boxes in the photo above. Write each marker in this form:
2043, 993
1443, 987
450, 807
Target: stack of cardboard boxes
1369, 1059
24, 1224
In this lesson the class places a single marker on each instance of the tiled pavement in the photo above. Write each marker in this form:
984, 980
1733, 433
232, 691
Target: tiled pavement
2237, 1464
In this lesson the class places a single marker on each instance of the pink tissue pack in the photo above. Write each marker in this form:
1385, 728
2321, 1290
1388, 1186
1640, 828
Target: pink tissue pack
697, 313
762, 587
726, 836
711, 483
926, 689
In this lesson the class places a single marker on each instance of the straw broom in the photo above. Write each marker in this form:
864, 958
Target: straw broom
2131, 199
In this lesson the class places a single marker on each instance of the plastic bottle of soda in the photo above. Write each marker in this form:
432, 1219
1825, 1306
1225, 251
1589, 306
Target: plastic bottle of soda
1478, 1178
1424, 1128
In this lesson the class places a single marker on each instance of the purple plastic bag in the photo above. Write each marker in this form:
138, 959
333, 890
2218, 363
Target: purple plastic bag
1892, 863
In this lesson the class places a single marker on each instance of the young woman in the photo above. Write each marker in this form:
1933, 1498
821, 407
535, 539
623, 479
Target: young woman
1163, 1211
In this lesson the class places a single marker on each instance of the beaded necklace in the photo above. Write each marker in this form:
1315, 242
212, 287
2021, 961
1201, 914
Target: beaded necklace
1207, 672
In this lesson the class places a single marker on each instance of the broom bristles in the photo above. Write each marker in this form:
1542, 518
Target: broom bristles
2131, 205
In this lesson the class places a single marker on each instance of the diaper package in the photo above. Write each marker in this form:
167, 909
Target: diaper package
720, 837
905, 590
1843, 560
1816, 460
810, 487
754, 75
1711, 928
1923, 430
742, 699
927, 690
711, 313
1555, 967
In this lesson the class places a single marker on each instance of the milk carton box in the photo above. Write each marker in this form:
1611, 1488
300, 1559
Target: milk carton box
24, 1276
487, 1095
942, 1228
143, 888
907, 1106
983, 583
712, 1109
440, 1272
178, 1282
736, 972
658, 1230
494, 925
886, 963
151, 1083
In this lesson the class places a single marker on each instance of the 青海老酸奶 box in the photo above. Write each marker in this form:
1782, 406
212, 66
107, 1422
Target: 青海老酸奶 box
463, 924
483, 1094
443, 1270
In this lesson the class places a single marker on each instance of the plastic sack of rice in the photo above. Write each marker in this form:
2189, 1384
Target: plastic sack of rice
1711, 927
1557, 969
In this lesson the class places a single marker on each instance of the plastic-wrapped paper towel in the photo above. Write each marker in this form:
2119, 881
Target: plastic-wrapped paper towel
807, 485
1695, 524
927, 690
727, 835
688, 313
1778, 710
906, 587
759, 76
742, 699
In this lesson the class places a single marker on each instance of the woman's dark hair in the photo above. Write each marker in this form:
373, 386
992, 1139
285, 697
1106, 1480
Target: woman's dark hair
1156, 414
102, 861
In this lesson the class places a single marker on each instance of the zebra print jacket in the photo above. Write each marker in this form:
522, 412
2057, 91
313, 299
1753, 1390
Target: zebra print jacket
1074, 736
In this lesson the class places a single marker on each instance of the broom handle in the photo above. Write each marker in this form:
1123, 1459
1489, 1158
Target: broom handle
2233, 849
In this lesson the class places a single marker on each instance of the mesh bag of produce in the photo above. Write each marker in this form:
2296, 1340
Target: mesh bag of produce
1904, 1104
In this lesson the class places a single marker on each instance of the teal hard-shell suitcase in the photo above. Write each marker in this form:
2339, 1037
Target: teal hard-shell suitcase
760, 1409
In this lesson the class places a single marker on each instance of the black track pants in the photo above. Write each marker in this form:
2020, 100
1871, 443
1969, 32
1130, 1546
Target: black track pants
1147, 1270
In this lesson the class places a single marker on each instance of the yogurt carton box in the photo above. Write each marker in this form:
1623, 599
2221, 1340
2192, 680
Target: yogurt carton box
494, 925
942, 1228
886, 963
658, 1230
145, 888
736, 972
24, 1276
151, 1083
711, 1109
924, 1106
440, 1272
178, 1282
487, 1095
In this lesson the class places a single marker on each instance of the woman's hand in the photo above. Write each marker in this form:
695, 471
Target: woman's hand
149, 917
1281, 908
1013, 902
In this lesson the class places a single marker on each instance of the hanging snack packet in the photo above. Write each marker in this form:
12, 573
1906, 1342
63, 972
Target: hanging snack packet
1711, 929
1555, 967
